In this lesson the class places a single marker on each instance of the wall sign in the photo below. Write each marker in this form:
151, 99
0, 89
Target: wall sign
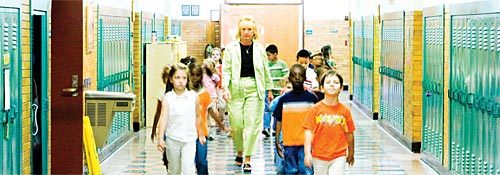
195, 10
186, 10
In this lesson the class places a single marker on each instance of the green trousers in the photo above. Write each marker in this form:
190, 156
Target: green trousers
245, 116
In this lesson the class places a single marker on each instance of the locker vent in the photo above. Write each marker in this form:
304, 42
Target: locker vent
91, 113
101, 114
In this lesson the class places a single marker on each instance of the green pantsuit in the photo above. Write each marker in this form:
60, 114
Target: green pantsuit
245, 111
246, 106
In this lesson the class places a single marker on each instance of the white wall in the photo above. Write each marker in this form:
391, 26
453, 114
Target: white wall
360, 8
322, 10
122, 4
153, 6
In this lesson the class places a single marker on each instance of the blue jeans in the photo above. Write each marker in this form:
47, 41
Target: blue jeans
294, 160
201, 157
278, 161
267, 113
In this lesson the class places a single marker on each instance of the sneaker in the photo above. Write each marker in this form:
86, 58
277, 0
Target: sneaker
210, 138
266, 132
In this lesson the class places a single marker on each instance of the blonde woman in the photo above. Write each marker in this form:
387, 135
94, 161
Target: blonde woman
245, 78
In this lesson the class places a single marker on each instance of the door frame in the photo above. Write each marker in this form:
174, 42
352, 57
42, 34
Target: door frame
43, 94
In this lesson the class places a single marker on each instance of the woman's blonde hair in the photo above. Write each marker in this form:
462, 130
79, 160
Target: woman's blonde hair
251, 20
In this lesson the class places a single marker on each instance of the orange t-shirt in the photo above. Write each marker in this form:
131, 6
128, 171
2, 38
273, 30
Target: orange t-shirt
329, 125
205, 100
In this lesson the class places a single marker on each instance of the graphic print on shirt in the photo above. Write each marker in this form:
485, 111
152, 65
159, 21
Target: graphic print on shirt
332, 120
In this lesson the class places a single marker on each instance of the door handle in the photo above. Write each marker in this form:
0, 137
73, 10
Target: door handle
73, 90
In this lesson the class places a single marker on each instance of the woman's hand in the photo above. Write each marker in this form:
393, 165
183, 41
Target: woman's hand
226, 95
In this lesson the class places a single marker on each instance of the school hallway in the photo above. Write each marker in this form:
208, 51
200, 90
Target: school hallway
375, 153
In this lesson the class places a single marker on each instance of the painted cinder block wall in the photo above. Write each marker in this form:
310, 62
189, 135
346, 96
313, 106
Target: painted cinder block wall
334, 33
413, 80
26, 86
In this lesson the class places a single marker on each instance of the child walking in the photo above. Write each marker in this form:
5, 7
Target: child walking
201, 161
290, 114
329, 129
180, 118
160, 96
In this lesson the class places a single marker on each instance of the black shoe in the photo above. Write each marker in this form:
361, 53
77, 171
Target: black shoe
266, 132
247, 168
210, 138
238, 161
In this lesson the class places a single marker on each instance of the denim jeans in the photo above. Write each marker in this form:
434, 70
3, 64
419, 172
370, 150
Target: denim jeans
294, 160
201, 157
278, 161
267, 113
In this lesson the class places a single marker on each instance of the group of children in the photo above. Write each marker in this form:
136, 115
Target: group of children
311, 128
191, 96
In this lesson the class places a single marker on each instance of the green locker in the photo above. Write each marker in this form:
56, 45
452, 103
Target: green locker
159, 27
391, 72
357, 56
10, 91
363, 64
473, 93
432, 85
114, 63
367, 63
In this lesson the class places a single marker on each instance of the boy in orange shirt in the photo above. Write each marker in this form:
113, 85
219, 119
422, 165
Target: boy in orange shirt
290, 113
329, 129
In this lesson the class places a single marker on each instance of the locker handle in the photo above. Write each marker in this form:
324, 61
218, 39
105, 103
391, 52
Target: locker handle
478, 102
496, 110
470, 99
13, 109
450, 93
490, 106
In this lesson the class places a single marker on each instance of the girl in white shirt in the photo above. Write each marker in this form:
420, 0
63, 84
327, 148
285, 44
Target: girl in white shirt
180, 118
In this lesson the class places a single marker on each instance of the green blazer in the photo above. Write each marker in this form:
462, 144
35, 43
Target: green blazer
231, 67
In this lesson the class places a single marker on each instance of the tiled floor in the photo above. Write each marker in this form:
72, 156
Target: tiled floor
375, 153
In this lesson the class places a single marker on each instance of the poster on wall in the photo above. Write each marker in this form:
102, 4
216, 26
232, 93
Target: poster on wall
186, 10
195, 10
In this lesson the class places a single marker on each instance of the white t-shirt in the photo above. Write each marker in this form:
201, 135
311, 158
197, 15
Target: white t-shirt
181, 124
311, 79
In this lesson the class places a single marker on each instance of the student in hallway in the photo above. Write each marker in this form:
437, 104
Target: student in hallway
326, 121
201, 161
160, 96
290, 114
278, 70
180, 122
278, 161
303, 57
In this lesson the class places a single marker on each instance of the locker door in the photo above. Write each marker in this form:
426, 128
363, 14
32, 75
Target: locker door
10, 127
432, 85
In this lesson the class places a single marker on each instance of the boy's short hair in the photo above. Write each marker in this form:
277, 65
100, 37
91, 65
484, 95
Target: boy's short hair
272, 49
303, 53
331, 73
188, 60
302, 68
